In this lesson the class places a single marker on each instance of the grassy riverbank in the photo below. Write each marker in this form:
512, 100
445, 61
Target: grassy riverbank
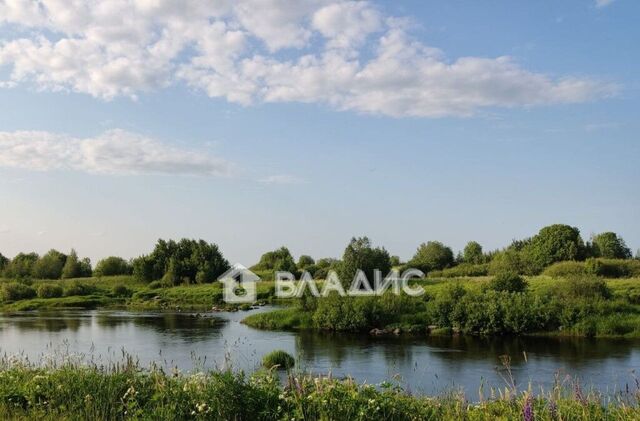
71, 391
577, 307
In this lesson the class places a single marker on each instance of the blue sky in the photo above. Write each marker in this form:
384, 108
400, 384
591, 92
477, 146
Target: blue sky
403, 121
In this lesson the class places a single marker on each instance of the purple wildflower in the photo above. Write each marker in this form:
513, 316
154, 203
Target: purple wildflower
527, 409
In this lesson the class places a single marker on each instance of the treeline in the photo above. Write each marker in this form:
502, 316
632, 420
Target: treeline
197, 261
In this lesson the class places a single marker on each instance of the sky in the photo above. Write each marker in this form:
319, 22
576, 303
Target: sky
260, 123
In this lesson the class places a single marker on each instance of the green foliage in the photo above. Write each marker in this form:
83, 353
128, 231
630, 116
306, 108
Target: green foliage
184, 261
322, 267
554, 243
472, 253
278, 359
508, 260
609, 245
122, 291
564, 269
49, 290
305, 261
590, 287
361, 255
76, 268
613, 268
508, 282
79, 288
21, 266
3, 263
395, 261
14, 291
113, 265
461, 270
277, 260
125, 391
430, 256
49, 266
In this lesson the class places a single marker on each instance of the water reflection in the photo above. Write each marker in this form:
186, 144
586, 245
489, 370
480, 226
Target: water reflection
423, 364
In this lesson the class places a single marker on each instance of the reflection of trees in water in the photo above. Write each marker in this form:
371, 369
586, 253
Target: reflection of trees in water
458, 352
338, 347
47, 322
184, 326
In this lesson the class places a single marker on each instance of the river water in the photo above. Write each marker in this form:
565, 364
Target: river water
423, 365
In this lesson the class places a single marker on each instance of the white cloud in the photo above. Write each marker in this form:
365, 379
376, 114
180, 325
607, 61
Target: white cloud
346, 54
116, 152
281, 179
603, 3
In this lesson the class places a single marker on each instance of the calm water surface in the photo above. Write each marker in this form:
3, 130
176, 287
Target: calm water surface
424, 365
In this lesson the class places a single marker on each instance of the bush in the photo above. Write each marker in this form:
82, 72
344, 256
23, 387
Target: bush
564, 269
79, 288
14, 291
112, 266
462, 270
590, 287
508, 282
155, 285
613, 268
122, 291
49, 290
279, 359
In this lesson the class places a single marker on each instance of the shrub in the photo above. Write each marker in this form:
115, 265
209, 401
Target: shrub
155, 285
564, 269
122, 291
79, 288
14, 291
112, 266
49, 290
590, 287
462, 270
432, 255
279, 359
613, 268
508, 282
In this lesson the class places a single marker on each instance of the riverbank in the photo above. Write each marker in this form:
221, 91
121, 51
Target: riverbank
68, 390
586, 306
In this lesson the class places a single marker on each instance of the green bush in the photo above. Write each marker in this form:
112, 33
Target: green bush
462, 270
49, 290
278, 359
588, 286
155, 285
564, 269
14, 291
79, 288
122, 291
613, 268
508, 282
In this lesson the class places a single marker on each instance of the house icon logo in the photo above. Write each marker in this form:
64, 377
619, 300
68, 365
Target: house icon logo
239, 285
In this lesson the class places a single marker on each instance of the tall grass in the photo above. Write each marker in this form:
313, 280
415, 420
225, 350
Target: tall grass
124, 391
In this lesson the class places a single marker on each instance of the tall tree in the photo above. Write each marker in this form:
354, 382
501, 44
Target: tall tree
361, 255
473, 253
432, 255
610, 245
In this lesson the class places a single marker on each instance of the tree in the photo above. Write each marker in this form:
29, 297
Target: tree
50, 265
395, 261
277, 260
76, 268
305, 261
112, 266
473, 253
186, 260
21, 266
3, 263
610, 245
360, 255
552, 244
432, 255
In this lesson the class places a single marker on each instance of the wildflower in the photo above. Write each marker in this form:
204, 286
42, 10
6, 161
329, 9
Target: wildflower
527, 410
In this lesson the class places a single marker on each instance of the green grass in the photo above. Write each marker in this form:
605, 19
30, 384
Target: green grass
278, 359
292, 318
125, 391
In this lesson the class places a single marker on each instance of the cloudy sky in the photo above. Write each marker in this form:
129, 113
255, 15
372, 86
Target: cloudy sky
260, 123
